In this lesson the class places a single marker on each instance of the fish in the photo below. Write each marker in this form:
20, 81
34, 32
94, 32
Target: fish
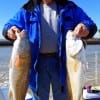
76, 66
19, 68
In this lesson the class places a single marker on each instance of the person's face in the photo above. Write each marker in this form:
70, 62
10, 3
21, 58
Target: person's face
47, 1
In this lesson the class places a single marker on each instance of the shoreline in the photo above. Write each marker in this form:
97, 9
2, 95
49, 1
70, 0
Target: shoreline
92, 41
5, 43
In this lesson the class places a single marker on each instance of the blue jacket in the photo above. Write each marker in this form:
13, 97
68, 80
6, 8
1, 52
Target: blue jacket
69, 16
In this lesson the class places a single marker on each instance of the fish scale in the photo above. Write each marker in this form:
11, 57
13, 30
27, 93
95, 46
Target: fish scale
19, 67
76, 66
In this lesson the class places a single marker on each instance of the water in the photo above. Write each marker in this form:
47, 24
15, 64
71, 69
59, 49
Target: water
93, 59
92, 56
5, 53
92, 48
92, 74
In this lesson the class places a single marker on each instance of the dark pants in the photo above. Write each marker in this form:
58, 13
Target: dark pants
48, 73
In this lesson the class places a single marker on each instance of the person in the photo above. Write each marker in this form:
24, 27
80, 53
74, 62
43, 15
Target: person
47, 23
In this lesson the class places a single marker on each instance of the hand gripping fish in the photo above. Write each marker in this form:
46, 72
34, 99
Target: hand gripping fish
76, 66
19, 67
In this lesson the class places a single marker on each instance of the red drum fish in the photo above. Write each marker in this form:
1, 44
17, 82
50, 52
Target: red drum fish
19, 67
76, 66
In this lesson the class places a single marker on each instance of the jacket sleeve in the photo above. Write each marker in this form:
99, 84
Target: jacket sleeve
17, 20
82, 17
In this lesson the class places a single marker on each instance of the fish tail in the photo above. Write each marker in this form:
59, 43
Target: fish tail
10, 95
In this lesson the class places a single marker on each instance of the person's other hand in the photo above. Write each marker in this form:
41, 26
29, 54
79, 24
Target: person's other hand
11, 32
80, 30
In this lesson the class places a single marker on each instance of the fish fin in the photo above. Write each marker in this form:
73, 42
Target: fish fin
18, 61
76, 66
10, 95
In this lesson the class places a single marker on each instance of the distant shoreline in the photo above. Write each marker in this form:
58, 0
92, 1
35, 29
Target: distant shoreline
5, 43
93, 41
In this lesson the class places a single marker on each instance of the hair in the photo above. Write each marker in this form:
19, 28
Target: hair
32, 3
59, 2
29, 5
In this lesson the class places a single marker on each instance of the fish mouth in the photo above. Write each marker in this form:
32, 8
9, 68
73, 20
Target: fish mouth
74, 44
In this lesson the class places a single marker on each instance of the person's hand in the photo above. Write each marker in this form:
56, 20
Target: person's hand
11, 32
80, 30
